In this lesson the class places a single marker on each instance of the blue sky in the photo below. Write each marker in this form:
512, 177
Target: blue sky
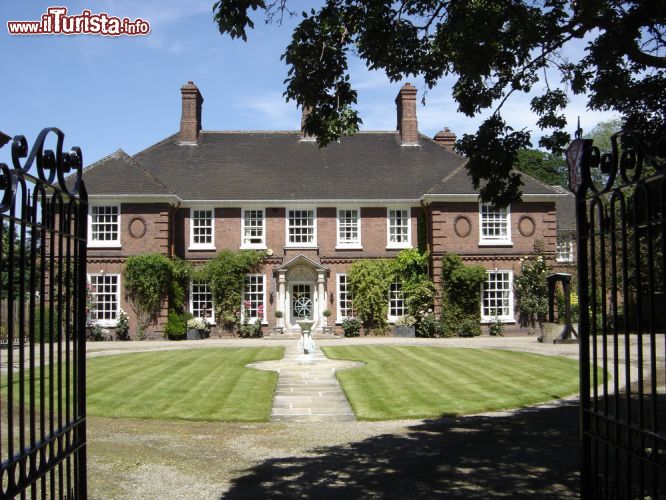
107, 93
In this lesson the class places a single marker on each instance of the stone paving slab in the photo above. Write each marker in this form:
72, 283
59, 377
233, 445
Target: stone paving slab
307, 390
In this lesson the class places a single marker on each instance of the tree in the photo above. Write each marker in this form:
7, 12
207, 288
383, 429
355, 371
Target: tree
546, 167
495, 48
601, 133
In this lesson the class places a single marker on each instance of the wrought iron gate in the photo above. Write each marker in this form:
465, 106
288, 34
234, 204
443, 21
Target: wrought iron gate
43, 230
620, 205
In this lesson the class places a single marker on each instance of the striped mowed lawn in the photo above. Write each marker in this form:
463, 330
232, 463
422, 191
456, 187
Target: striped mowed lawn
196, 384
204, 384
420, 382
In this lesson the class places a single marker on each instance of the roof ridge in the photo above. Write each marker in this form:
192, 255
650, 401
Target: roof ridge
446, 177
101, 160
543, 184
159, 143
150, 175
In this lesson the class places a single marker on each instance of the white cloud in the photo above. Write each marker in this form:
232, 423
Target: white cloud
270, 110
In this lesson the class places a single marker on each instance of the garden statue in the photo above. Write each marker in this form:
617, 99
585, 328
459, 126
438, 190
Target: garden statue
305, 343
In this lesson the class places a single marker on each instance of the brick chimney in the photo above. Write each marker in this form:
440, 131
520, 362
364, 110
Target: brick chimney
446, 138
190, 122
407, 124
305, 137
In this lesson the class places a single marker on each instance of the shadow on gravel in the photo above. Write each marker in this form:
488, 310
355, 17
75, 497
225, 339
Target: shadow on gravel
532, 453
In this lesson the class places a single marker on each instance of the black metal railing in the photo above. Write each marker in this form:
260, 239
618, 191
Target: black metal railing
620, 205
43, 230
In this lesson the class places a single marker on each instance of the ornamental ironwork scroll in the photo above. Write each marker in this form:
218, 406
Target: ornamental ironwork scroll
43, 300
621, 221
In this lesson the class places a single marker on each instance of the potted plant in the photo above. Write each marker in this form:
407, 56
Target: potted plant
197, 329
405, 326
277, 328
327, 330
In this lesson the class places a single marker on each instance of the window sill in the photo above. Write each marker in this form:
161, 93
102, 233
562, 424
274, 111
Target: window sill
302, 247
105, 324
496, 243
349, 247
490, 320
97, 246
567, 261
253, 247
398, 247
207, 247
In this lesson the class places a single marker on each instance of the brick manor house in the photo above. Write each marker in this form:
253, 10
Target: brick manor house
315, 210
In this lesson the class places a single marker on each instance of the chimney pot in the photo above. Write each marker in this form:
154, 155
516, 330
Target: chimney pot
190, 122
407, 122
445, 138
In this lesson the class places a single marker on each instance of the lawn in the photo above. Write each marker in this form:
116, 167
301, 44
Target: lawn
195, 384
422, 382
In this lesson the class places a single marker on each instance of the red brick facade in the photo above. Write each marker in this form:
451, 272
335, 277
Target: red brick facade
450, 227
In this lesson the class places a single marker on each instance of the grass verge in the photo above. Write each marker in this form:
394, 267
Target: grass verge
195, 384
420, 382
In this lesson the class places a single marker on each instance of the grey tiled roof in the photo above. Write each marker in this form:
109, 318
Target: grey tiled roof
279, 166
118, 173
566, 210
459, 182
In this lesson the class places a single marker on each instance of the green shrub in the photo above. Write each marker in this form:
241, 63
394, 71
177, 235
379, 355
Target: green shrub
370, 282
429, 327
532, 290
97, 333
122, 326
176, 326
226, 277
351, 327
147, 280
461, 325
496, 328
181, 271
461, 297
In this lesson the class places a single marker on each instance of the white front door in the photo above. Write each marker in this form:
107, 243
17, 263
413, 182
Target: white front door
302, 302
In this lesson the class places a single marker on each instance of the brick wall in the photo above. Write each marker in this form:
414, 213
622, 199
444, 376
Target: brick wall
144, 228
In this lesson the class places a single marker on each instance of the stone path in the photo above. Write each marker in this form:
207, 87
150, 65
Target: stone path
307, 390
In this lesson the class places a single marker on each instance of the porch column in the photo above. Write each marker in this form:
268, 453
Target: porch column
321, 296
282, 297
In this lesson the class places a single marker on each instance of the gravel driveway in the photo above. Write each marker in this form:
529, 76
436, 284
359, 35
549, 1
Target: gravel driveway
524, 453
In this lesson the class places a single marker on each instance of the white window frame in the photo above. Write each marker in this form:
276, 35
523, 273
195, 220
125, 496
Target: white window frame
348, 244
390, 244
393, 318
504, 317
92, 243
340, 317
495, 241
264, 286
567, 258
202, 246
208, 319
287, 225
108, 322
262, 244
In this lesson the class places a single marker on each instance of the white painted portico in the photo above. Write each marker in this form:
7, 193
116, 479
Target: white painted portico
301, 292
